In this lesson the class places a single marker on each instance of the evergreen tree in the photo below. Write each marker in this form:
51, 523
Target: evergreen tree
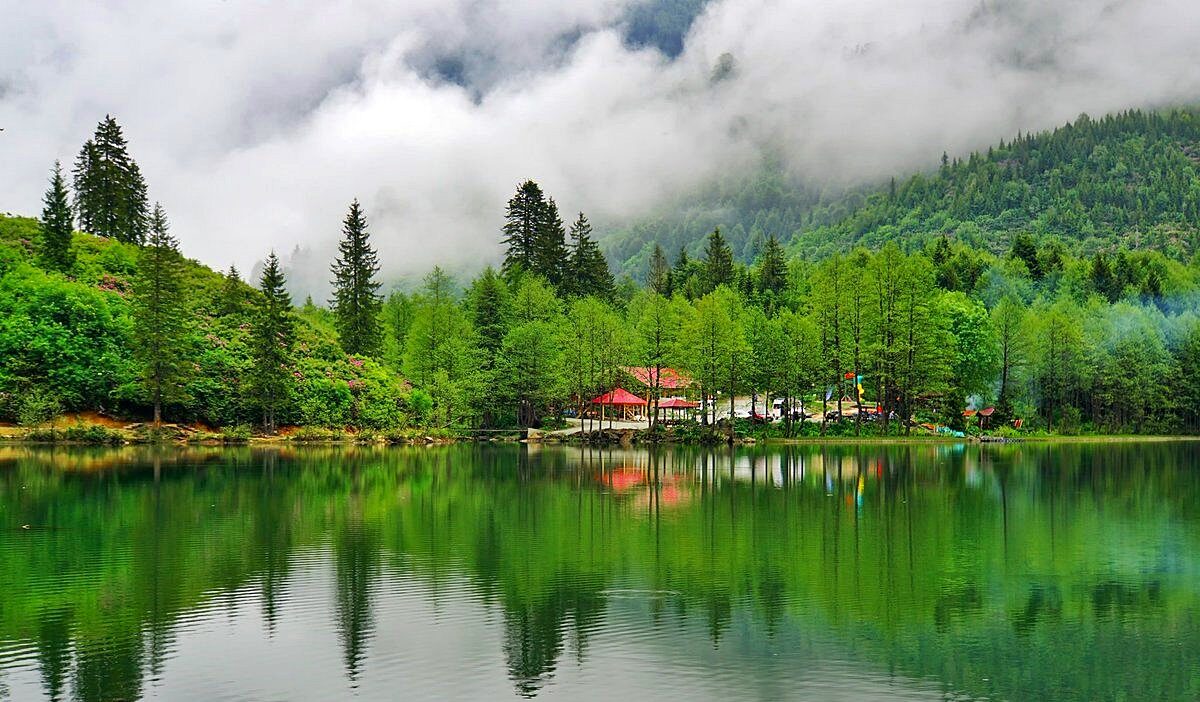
1024, 249
659, 278
160, 315
57, 225
772, 274
587, 268
356, 300
718, 261
550, 246
110, 193
1104, 279
523, 219
273, 335
233, 292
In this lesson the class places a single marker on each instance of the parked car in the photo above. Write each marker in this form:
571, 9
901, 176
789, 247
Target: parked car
755, 417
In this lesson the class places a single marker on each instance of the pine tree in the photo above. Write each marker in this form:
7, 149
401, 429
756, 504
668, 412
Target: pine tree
356, 300
110, 193
772, 274
159, 316
550, 246
659, 278
273, 336
588, 269
57, 225
522, 220
1025, 249
233, 292
718, 261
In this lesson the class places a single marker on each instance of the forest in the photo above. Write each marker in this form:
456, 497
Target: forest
1053, 278
1130, 179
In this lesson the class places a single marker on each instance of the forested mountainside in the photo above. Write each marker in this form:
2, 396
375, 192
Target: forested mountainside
1126, 180
67, 344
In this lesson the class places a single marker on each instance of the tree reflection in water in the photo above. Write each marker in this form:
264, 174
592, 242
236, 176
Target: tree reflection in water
1027, 572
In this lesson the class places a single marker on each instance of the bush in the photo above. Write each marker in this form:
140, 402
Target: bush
34, 408
239, 434
420, 403
324, 402
77, 434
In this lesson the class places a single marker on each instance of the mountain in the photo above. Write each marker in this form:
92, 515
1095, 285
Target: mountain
1126, 180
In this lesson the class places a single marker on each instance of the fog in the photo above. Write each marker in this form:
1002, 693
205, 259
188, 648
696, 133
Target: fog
256, 123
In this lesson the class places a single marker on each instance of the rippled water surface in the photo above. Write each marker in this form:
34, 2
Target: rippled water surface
1031, 572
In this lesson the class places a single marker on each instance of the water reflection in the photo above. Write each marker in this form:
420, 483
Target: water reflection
1015, 572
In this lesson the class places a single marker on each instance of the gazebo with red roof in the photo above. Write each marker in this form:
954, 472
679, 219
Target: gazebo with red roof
675, 404
619, 397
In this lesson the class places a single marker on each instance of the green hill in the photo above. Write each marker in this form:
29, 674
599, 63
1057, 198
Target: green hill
1128, 180
66, 341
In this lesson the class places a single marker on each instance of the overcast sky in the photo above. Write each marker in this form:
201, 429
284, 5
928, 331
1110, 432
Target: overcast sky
256, 122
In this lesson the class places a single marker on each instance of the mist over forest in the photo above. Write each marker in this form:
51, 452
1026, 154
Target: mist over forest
432, 112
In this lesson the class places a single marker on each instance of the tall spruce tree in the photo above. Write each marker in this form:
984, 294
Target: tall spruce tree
110, 193
588, 272
550, 246
718, 261
160, 315
772, 274
273, 336
233, 292
523, 220
57, 225
659, 278
356, 300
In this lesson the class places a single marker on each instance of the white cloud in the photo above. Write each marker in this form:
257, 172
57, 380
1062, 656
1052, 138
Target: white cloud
257, 122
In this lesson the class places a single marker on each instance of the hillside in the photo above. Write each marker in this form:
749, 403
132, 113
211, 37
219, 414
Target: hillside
66, 341
1131, 180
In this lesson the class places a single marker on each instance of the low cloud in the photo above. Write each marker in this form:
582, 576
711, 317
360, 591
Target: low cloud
257, 123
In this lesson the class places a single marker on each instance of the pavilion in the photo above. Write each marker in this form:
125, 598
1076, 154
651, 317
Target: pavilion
618, 397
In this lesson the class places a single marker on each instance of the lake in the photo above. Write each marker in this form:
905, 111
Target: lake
918, 572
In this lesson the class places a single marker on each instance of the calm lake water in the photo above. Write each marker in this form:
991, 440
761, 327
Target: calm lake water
1033, 572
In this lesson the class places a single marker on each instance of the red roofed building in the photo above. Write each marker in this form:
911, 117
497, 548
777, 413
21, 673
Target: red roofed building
670, 378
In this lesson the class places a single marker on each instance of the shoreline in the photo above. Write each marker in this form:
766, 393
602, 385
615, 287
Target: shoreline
102, 436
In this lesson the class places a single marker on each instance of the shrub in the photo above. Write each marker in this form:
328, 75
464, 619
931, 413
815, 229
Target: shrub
239, 434
324, 402
34, 408
77, 434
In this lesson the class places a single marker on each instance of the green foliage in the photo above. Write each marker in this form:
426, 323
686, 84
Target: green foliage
238, 434
73, 340
57, 225
61, 339
535, 242
718, 262
1130, 179
274, 335
586, 270
34, 409
110, 194
160, 317
441, 354
356, 300
91, 434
